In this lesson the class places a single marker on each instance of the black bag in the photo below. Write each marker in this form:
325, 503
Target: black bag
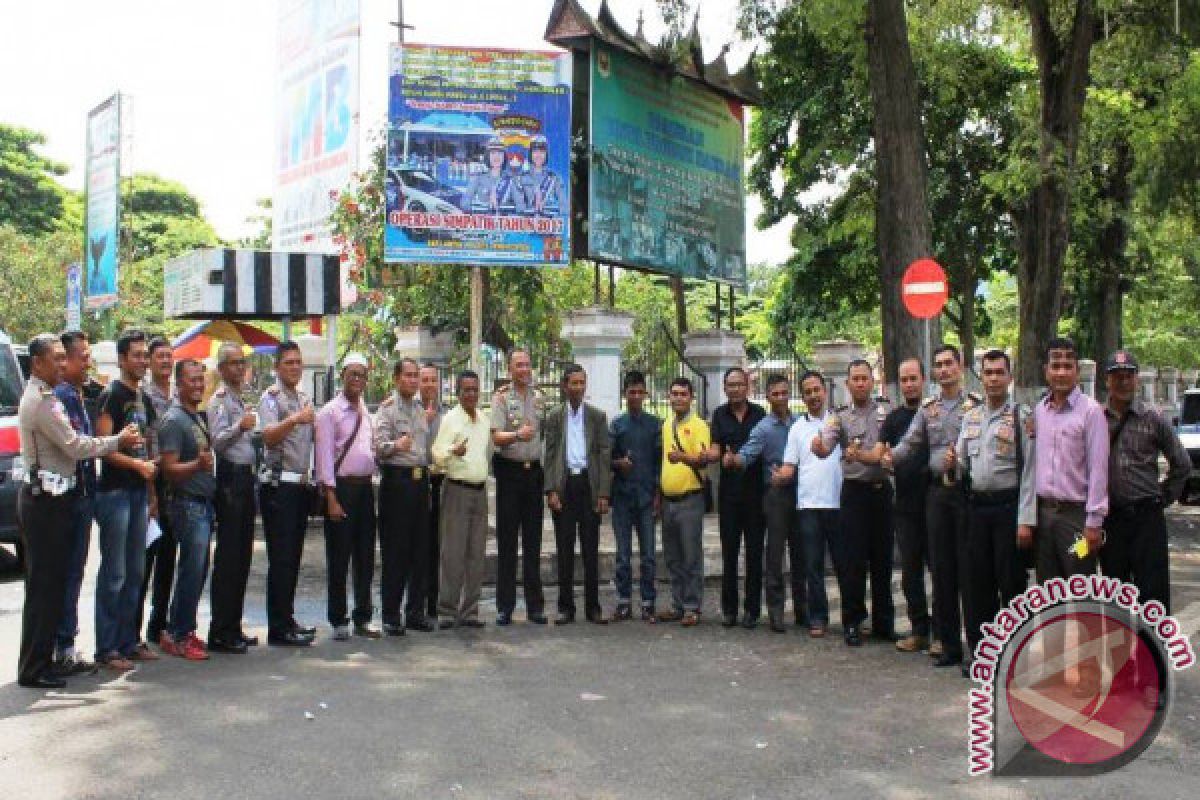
705, 484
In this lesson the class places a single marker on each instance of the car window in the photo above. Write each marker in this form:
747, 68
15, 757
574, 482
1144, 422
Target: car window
1190, 413
11, 383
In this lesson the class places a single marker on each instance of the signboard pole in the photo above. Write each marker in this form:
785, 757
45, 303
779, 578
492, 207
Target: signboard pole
476, 318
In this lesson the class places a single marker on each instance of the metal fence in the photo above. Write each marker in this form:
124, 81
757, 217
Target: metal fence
659, 355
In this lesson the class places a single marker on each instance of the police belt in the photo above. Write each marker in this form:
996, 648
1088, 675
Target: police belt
270, 477
392, 472
231, 472
999, 497
43, 480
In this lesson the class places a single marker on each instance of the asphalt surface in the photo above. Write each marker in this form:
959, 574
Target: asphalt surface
629, 710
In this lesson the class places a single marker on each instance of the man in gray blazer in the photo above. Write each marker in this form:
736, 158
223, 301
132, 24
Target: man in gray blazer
578, 467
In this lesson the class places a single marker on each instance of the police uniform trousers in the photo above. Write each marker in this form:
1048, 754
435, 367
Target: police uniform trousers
435, 544
994, 573
285, 511
160, 567
945, 509
403, 541
235, 509
44, 524
1136, 549
519, 502
740, 518
350, 545
779, 511
867, 542
578, 518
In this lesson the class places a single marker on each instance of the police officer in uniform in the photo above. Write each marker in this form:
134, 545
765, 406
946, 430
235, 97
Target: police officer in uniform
935, 428
286, 492
544, 190
517, 416
497, 189
430, 393
50, 449
994, 461
866, 505
402, 450
232, 425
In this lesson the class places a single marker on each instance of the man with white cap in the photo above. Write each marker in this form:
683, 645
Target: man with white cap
345, 461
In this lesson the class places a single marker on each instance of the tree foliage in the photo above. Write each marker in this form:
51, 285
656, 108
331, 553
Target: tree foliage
31, 200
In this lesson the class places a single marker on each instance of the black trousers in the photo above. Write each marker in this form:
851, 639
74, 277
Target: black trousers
741, 518
868, 544
235, 511
285, 522
435, 544
160, 572
995, 573
1136, 550
350, 544
403, 542
519, 503
945, 516
578, 518
912, 536
779, 512
44, 524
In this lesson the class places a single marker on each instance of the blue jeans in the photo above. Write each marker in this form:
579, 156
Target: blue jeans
818, 527
122, 515
81, 536
192, 519
627, 514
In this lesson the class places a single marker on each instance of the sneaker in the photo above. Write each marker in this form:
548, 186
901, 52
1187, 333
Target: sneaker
341, 633
913, 644
116, 662
169, 646
193, 649
142, 652
73, 665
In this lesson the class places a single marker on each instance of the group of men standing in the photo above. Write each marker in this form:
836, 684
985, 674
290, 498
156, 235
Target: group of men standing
974, 488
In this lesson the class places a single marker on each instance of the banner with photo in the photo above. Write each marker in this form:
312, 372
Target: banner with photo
478, 159
316, 131
102, 222
74, 295
665, 191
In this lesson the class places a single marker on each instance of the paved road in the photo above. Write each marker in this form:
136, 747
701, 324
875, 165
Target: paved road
629, 711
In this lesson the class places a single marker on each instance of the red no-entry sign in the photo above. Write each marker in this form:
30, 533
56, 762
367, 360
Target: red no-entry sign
923, 289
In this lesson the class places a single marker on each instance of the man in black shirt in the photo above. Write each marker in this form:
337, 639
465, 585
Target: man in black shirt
739, 501
124, 499
912, 478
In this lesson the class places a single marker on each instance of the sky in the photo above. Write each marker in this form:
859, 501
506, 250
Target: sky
202, 81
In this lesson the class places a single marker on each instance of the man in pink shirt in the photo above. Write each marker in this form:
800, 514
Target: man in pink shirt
345, 462
1071, 470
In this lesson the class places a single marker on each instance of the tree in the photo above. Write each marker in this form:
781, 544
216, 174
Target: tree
34, 269
31, 200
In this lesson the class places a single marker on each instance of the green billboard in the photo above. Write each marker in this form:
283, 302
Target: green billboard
665, 192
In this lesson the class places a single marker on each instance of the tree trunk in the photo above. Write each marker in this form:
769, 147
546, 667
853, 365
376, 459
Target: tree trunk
493, 331
1114, 239
1043, 221
902, 228
677, 291
966, 324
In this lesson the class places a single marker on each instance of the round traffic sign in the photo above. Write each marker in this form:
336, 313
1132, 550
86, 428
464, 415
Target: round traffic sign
924, 289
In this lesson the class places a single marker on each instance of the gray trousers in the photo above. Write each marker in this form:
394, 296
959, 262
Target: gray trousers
464, 535
683, 547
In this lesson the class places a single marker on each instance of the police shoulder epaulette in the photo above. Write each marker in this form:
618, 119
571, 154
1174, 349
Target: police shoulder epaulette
273, 389
220, 392
976, 398
387, 401
928, 402
841, 409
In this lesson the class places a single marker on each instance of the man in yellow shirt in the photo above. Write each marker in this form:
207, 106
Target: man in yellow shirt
685, 438
463, 448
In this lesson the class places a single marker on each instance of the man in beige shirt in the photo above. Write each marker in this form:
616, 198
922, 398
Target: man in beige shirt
462, 449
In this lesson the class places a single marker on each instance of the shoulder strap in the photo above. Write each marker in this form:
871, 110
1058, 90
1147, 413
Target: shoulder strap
675, 435
349, 442
1115, 435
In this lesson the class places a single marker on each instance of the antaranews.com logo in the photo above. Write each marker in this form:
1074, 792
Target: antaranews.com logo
1074, 677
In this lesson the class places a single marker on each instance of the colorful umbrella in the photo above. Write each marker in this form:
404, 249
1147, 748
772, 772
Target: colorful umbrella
203, 339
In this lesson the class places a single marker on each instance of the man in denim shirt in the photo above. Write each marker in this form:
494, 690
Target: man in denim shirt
636, 454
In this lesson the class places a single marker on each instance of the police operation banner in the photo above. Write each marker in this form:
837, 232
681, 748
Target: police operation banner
103, 203
665, 190
478, 157
316, 132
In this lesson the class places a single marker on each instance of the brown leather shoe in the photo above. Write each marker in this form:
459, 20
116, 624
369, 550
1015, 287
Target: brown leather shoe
817, 631
935, 649
913, 644
670, 615
143, 653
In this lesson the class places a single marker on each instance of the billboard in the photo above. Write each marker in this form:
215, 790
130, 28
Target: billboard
316, 132
102, 223
479, 158
74, 296
665, 191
